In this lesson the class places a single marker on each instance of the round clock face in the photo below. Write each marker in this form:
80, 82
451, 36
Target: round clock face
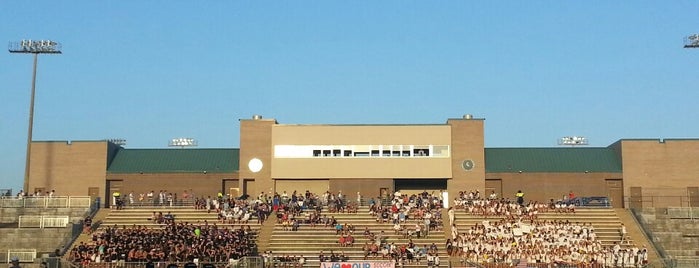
467, 164
255, 165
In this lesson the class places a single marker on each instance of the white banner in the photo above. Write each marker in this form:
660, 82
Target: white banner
359, 264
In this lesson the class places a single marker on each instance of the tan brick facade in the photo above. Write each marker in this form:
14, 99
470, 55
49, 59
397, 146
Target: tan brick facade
650, 167
70, 168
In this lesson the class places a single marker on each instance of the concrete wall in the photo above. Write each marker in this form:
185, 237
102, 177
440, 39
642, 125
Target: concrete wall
11, 215
43, 240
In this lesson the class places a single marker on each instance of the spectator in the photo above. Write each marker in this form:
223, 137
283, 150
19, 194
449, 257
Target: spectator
520, 197
14, 263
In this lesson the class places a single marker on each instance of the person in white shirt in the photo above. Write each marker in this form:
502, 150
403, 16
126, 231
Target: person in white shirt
622, 232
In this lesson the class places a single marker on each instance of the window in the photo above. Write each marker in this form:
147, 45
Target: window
361, 154
308, 151
421, 152
440, 150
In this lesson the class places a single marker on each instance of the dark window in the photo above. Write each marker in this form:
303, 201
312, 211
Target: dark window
421, 152
361, 154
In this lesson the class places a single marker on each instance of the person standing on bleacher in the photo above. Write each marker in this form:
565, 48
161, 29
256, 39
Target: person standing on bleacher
520, 198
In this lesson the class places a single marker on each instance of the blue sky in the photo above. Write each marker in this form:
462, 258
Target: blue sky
149, 71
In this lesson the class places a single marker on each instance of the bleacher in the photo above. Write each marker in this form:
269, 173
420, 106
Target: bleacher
604, 220
310, 241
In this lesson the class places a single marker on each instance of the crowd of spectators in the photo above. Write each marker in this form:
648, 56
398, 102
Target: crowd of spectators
36, 194
177, 242
511, 231
515, 232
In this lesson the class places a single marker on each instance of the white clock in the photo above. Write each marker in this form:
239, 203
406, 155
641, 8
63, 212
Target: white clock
255, 165
467, 164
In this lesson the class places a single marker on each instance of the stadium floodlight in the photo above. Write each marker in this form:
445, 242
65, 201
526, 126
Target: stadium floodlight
691, 41
182, 142
572, 141
120, 142
33, 47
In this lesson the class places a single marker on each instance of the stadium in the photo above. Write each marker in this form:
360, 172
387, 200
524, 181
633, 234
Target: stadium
295, 192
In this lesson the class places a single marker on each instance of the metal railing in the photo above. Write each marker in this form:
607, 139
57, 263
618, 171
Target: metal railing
43, 221
244, 262
24, 255
683, 212
47, 202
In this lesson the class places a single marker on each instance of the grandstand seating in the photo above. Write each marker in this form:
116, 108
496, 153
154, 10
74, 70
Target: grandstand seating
142, 216
604, 220
310, 241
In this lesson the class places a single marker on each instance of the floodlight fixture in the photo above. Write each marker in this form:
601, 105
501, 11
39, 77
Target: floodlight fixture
120, 142
573, 140
35, 47
183, 142
691, 41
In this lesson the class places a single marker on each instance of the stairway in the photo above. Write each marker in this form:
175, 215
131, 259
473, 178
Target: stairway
265, 233
97, 220
634, 231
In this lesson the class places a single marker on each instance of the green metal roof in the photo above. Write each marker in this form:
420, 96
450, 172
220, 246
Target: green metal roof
175, 161
552, 160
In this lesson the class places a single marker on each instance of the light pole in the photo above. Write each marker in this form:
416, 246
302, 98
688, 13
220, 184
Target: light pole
35, 47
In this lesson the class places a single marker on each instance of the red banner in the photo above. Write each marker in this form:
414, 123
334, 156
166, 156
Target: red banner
359, 264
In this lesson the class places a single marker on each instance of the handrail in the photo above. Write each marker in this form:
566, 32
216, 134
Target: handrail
77, 227
24, 255
46, 202
43, 221
246, 262
683, 212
